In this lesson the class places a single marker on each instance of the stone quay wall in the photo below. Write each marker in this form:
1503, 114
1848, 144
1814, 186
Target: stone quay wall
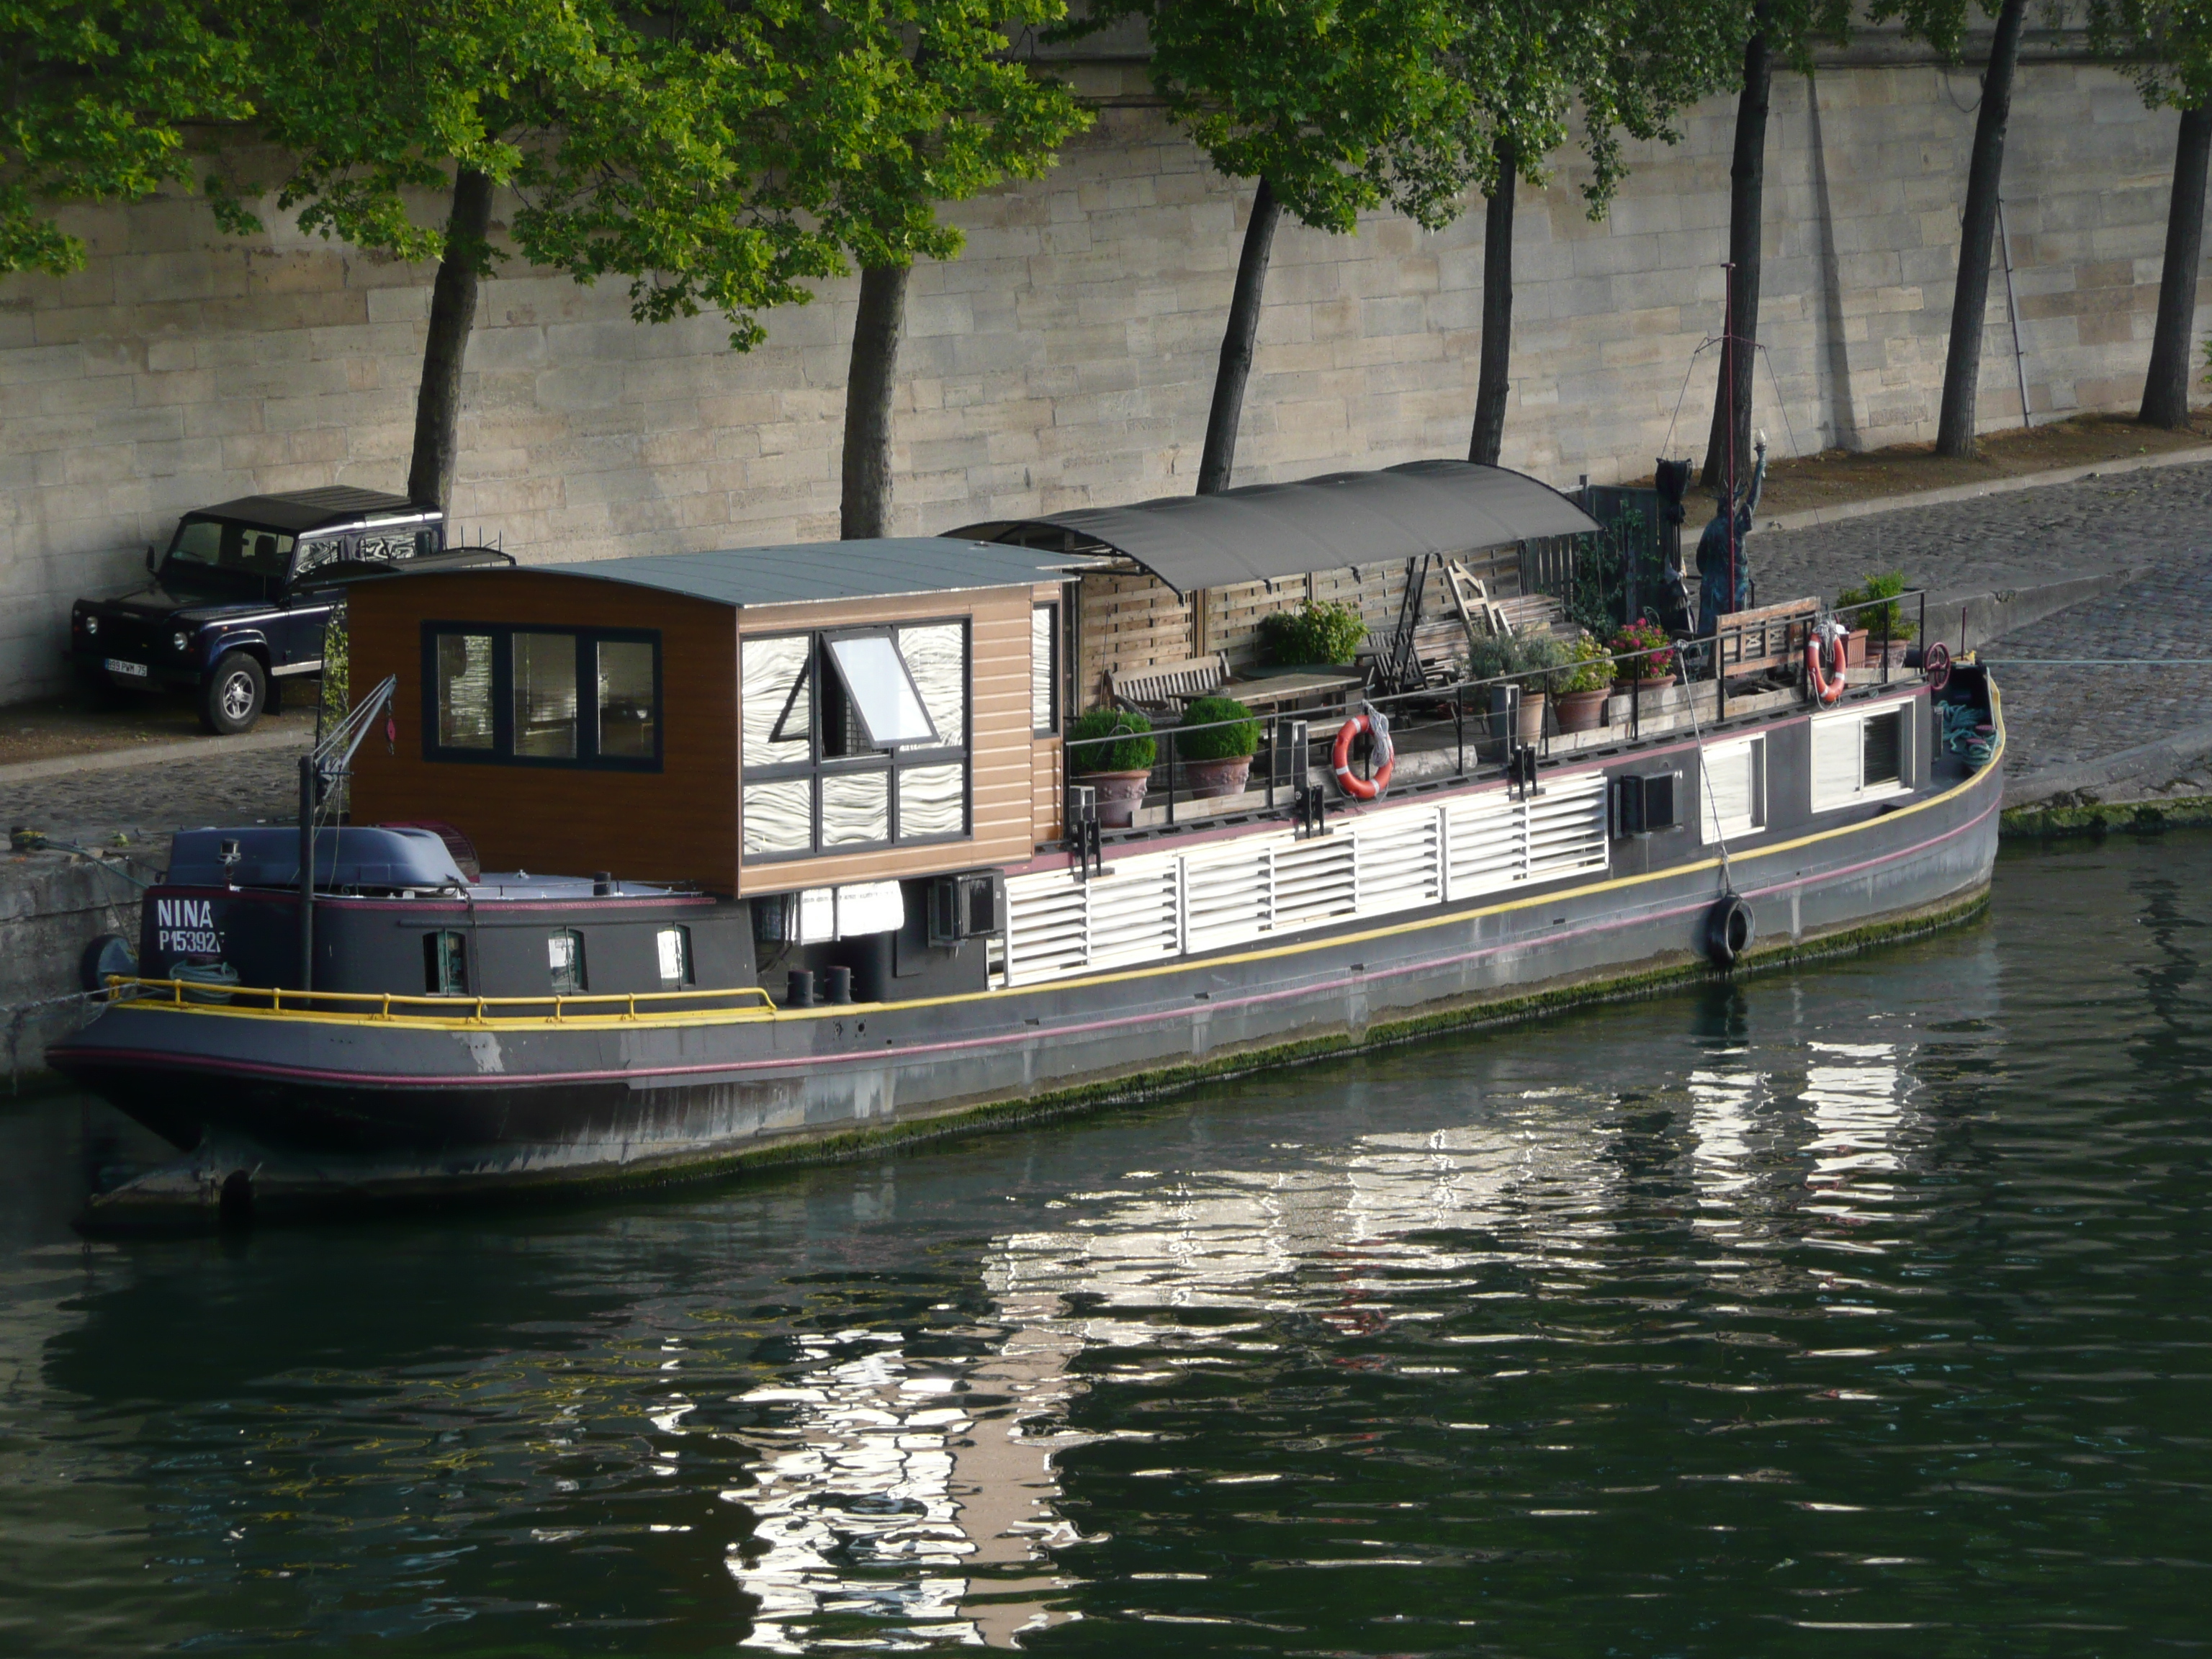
1067, 359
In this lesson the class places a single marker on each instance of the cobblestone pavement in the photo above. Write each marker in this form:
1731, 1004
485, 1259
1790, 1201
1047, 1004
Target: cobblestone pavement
2136, 520
259, 786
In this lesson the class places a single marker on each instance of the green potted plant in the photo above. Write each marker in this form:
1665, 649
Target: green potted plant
1880, 615
1327, 635
1584, 685
1216, 757
1528, 660
1652, 666
1113, 751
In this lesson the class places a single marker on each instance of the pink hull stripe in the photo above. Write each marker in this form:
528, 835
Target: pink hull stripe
749, 1068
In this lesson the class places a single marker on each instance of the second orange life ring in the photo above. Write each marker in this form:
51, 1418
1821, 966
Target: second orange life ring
1826, 690
1350, 782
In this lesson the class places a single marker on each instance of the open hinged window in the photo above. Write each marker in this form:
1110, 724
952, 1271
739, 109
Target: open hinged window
854, 739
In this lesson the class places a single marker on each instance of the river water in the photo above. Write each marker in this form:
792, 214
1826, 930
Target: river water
1856, 1309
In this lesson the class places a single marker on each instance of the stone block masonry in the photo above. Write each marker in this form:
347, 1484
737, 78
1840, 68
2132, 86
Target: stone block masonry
1067, 359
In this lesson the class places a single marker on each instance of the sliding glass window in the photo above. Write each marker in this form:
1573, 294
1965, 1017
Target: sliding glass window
542, 697
854, 739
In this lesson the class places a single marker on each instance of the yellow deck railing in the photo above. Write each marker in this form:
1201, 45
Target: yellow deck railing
204, 995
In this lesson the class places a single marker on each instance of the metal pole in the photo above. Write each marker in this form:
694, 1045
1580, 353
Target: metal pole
307, 873
2012, 304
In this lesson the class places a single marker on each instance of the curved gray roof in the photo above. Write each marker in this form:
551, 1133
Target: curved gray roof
1264, 531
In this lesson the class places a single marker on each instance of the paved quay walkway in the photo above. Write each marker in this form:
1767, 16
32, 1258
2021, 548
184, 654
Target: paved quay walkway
2157, 524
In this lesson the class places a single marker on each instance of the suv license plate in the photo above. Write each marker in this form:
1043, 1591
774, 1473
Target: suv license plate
117, 665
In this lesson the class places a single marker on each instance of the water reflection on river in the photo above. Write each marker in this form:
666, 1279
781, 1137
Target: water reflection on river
1865, 1301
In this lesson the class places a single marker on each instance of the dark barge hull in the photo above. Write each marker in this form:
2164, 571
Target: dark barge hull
376, 1111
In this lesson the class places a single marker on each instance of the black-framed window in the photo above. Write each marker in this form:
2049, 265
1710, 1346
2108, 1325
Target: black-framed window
564, 962
445, 963
854, 739
1044, 670
542, 697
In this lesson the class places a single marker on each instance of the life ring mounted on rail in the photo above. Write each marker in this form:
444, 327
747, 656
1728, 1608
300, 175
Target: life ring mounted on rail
1385, 757
1824, 691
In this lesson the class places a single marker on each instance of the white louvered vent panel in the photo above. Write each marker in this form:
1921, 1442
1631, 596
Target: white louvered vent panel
1132, 917
1045, 927
1398, 864
1226, 900
1566, 828
1487, 845
1314, 881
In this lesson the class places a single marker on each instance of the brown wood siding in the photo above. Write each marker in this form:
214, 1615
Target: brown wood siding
1130, 620
999, 742
1046, 794
678, 825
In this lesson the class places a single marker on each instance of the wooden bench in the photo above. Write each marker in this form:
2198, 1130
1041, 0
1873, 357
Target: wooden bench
1165, 686
1772, 636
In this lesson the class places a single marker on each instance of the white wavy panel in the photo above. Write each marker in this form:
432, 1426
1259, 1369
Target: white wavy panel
856, 808
1314, 881
1398, 865
1045, 927
1132, 917
932, 800
1566, 828
1488, 847
1225, 900
779, 816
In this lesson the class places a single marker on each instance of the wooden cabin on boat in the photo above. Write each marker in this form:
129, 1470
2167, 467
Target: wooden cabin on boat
751, 721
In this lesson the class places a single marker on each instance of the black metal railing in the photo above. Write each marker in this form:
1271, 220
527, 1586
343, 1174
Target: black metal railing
1438, 717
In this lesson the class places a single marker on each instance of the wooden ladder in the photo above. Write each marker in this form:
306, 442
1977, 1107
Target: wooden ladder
1471, 599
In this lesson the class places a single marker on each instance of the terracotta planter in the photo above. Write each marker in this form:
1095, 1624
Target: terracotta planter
1120, 795
1583, 711
1210, 780
1854, 648
1531, 718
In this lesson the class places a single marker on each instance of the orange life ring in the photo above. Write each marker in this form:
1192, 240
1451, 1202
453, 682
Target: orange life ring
1825, 690
1350, 783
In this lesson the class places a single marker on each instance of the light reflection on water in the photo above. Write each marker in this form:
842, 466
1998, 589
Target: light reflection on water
1860, 1300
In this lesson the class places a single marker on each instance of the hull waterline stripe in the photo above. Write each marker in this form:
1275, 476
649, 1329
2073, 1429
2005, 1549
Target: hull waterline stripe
739, 1071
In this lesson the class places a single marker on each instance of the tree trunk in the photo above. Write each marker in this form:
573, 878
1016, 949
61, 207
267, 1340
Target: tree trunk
1219, 460
452, 313
1962, 367
1492, 379
864, 508
1731, 435
2165, 394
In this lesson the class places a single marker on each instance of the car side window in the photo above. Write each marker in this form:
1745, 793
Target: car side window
313, 554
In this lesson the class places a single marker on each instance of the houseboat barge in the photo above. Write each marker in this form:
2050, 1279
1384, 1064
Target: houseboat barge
844, 888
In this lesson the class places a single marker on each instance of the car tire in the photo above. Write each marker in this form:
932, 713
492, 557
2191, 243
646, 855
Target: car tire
234, 695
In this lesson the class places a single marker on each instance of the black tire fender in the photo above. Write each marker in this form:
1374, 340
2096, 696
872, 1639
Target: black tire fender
111, 953
1729, 928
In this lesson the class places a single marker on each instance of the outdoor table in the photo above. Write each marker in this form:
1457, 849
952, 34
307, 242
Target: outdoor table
1285, 691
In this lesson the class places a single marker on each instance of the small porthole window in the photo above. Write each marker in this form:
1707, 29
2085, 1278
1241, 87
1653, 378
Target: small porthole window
675, 950
446, 964
564, 956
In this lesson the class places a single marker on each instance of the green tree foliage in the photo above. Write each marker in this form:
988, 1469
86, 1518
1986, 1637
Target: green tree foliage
96, 96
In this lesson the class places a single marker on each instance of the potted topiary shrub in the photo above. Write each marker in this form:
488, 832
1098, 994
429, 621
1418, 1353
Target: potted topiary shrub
1584, 685
1653, 668
1324, 635
1217, 758
1120, 769
1882, 616
1529, 661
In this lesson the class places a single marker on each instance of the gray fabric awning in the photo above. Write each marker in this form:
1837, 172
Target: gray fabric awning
1266, 531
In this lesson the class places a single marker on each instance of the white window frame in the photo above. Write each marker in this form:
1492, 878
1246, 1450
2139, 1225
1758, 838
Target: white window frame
1831, 728
1711, 828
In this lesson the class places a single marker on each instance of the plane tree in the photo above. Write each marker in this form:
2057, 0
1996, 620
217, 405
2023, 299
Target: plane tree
1334, 108
2166, 47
